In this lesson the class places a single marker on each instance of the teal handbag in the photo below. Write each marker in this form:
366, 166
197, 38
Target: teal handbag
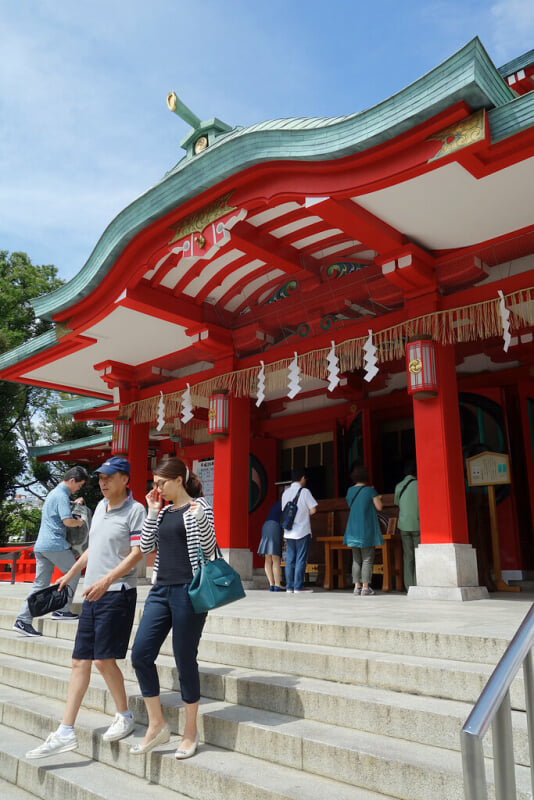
215, 583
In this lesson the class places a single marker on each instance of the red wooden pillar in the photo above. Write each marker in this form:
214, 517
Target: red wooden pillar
440, 472
231, 478
445, 561
138, 458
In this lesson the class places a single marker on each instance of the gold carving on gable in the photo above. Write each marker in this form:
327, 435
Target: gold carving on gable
61, 329
197, 222
462, 134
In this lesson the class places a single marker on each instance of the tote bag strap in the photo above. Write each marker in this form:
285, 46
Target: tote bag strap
355, 496
202, 558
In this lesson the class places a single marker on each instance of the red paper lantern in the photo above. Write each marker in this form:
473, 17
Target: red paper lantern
120, 437
218, 415
421, 368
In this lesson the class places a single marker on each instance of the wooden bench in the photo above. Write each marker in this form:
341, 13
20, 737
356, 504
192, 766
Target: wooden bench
390, 566
328, 526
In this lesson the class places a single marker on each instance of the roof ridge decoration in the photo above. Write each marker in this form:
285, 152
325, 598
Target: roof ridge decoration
203, 134
468, 75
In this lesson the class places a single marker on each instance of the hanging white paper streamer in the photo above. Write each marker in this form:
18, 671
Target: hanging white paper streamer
187, 406
261, 385
161, 412
333, 368
294, 383
505, 316
370, 358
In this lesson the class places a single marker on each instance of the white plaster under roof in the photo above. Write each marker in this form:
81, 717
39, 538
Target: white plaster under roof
126, 336
449, 208
273, 213
209, 270
236, 278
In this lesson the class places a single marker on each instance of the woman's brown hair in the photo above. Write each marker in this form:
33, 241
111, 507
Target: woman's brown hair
359, 473
173, 467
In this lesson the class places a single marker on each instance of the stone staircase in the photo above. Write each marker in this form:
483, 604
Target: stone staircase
297, 710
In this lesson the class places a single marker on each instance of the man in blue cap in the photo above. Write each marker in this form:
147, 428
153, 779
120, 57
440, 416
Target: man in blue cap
108, 608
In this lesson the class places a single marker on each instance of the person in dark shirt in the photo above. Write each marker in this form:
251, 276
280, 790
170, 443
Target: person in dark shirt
271, 546
176, 531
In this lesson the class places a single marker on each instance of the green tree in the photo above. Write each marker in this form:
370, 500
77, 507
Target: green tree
22, 523
29, 415
20, 405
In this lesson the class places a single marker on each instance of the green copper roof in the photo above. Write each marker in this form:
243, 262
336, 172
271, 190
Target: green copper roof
512, 118
37, 345
102, 438
467, 75
71, 407
517, 63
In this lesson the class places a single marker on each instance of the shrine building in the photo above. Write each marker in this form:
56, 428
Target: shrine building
311, 292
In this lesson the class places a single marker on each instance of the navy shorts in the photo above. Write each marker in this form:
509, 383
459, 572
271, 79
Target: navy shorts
105, 626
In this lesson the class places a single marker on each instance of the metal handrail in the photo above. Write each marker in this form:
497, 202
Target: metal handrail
493, 708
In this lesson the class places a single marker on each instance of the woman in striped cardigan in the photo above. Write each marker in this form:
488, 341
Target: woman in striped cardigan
176, 531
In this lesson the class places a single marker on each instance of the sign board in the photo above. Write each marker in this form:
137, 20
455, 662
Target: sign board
488, 469
205, 469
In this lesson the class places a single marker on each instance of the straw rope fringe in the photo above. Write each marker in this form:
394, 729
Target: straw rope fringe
465, 324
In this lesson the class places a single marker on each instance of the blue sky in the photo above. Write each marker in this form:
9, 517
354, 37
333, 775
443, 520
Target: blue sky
84, 127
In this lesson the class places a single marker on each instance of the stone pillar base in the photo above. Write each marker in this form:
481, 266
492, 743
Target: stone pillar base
446, 572
241, 560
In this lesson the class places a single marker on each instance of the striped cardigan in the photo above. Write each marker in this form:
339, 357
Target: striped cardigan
200, 530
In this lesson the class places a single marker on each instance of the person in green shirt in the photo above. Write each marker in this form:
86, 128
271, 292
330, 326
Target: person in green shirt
407, 499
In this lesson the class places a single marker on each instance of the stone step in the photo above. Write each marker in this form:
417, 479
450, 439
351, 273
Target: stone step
395, 714
213, 773
448, 679
428, 644
70, 776
8, 791
381, 764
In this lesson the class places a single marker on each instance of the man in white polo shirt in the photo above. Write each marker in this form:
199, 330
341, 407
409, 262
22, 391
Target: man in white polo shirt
109, 606
299, 536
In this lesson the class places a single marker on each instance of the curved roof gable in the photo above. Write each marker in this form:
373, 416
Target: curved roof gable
468, 75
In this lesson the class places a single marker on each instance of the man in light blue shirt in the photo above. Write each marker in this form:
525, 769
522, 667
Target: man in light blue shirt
51, 548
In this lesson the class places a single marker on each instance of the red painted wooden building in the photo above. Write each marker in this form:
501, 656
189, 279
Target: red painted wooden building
234, 313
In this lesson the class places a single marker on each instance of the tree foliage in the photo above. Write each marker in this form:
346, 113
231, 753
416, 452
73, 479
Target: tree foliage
28, 414
20, 281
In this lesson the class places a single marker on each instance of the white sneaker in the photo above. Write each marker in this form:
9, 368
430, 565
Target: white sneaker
54, 744
119, 728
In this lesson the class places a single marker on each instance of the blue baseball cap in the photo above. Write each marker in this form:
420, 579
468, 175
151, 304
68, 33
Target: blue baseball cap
113, 465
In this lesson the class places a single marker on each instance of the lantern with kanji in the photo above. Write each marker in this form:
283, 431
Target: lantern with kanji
421, 368
120, 437
218, 415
